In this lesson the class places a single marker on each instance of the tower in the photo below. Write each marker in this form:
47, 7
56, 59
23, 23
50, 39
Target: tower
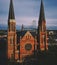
42, 33
11, 32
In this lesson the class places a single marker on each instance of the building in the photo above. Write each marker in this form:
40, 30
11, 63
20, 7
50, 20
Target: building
27, 43
24, 43
52, 37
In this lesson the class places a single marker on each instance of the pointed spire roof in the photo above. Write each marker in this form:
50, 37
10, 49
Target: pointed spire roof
42, 15
11, 11
22, 28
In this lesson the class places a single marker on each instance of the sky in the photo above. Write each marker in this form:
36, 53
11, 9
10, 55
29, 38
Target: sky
28, 10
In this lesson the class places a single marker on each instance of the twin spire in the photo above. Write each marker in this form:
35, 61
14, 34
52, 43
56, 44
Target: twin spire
12, 16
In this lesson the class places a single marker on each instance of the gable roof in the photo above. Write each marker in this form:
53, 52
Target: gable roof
22, 33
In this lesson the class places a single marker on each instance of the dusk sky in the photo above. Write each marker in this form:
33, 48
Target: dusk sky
28, 10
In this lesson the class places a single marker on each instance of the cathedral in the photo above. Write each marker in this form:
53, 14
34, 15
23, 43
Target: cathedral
24, 43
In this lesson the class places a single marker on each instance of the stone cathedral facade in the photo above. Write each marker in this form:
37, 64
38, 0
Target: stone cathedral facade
24, 43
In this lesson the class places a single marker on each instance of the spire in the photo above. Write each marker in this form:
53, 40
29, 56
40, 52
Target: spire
22, 28
11, 11
42, 15
42, 34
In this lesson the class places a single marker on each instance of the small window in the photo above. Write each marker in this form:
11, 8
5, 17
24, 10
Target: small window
26, 37
30, 37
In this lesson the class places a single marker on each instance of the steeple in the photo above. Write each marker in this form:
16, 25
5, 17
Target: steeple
11, 18
42, 15
11, 11
42, 33
42, 21
22, 28
11, 37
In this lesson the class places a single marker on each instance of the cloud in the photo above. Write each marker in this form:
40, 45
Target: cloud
51, 22
4, 4
29, 21
26, 7
25, 20
28, 10
3, 20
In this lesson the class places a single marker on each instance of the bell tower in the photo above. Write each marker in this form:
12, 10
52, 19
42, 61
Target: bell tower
11, 32
42, 33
